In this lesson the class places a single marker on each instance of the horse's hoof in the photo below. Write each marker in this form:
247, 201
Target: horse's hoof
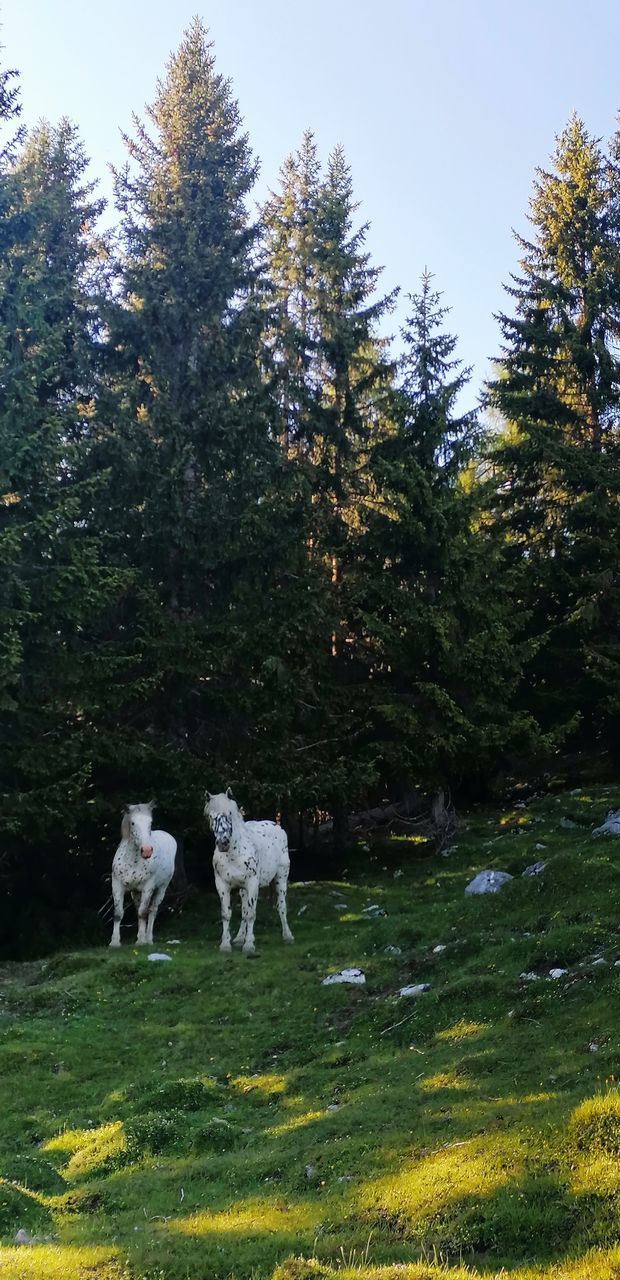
114, 945
226, 950
288, 941
250, 952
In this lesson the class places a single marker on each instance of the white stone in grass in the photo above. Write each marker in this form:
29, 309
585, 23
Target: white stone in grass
488, 882
611, 825
439, 948
535, 868
558, 973
22, 1237
539, 846
529, 977
340, 906
173, 942
158, 955
302, 909
391, 950
415, 989
354, 977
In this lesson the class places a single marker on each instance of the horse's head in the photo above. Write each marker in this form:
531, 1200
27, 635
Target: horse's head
220, 812
136, 827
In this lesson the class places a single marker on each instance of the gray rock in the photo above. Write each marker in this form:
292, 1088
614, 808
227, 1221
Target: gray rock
354, 977
415, 989
22, 1237
311, 1172
488, 882
534, 869
558, 973
567, 824
391, 950
158, 955
611, 825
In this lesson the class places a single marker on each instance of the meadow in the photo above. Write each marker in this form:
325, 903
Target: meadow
217, 1116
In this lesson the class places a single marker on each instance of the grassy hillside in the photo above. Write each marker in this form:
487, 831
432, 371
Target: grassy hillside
222, 1117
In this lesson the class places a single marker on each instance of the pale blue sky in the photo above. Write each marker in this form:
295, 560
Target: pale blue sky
444, 108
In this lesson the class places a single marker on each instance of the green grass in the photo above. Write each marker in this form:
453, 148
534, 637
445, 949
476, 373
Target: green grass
221, 1117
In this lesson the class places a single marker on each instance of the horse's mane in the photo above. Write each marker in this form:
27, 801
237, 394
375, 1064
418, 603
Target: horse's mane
224, 803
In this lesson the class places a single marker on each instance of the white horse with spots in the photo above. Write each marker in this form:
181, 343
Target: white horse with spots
248, 856
144, 864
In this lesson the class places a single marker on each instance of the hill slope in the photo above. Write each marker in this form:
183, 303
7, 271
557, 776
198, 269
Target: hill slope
216, 1116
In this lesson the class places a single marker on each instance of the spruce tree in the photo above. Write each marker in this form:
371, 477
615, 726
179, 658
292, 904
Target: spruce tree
193, 440
557, 463
333, 374
53, 578
436, 621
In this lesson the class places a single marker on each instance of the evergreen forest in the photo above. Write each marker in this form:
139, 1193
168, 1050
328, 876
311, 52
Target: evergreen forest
248, 540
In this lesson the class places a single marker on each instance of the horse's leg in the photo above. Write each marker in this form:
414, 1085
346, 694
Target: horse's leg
118, 894
143, 913
224, 893
153, 909
249, 914
281, 883
240, 937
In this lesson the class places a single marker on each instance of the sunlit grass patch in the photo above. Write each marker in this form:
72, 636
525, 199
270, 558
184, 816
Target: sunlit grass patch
269, 1085
462, 1030
594, 1126
445, 1080
595, 1264
430, 1184
261, 1217
89, 1148
61, 1262
293, 1123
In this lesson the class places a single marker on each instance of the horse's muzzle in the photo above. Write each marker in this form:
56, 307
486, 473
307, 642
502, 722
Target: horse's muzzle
146, 851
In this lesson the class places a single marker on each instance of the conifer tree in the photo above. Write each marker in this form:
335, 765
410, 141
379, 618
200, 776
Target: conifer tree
442, 665
193, 441
333, 373
53, 578
557, 463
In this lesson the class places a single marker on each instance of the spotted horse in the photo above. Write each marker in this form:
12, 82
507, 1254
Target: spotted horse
248, 856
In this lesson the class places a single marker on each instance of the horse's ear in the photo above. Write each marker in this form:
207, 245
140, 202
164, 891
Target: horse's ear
208, 796
229, 793
151, 805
